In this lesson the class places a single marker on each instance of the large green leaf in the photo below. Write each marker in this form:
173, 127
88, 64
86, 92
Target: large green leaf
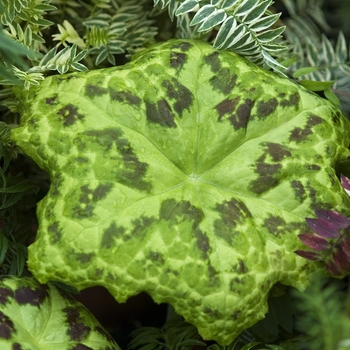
42, 317
188, 174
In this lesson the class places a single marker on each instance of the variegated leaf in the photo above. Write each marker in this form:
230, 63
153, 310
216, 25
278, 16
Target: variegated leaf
217, 17
228, 29
341, 52
258, 8
35, 317
204, 12
264, 22
245, 7
227, 4
187, 6
187, 174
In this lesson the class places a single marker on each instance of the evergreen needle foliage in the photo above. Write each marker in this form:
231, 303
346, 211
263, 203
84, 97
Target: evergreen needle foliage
13, 251
55, 36
174, 335
324, 315
243, 26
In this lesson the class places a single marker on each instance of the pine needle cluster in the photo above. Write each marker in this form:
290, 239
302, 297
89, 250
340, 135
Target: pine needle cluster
43, 37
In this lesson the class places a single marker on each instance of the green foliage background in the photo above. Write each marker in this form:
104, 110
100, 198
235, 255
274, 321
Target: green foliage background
43, 37
39, 38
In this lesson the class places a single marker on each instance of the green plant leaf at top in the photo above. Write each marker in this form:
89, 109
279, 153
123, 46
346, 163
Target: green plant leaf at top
38, 317
188, 174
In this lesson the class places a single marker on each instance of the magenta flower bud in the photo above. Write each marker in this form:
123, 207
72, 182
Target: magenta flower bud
314, 242
333, 217
342, 260
345, 182
323, 228
308, 254
333, 268
345, 246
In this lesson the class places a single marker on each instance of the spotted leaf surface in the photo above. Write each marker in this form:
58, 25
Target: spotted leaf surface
188, 174
35, 317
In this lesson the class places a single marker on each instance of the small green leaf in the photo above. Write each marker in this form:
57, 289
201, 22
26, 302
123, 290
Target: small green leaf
282, 309
101, 56
341, 51
21, 258
331, 96
215, 347
80, 55
48, 56
172, 7
11, 200
78, 67
274, 347
72, 51
45, 7
27, 37
191, 343
3, 248
250, 345
273, 63
63, 68
41, 22
312, 54
305, 70
345, 68
316, 85
328, 51
111, 59
65, 287
115, 47
97, 22
21, 186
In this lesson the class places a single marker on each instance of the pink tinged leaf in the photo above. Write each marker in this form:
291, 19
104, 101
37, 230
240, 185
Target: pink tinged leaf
333, 217
333, 268
314, 242
306, 254
323, 228
345, 182
342, 260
